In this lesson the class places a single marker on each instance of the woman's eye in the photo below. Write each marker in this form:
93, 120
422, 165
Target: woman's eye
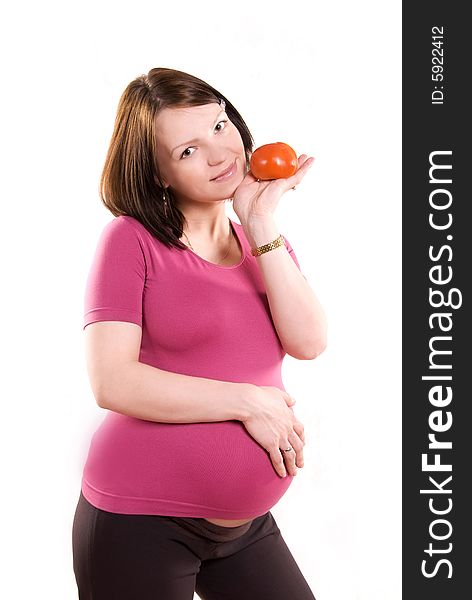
184, 155
219, 123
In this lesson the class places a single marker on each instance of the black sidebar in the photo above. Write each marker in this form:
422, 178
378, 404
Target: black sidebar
437, 270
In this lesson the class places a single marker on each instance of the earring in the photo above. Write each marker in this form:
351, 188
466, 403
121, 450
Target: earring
165, 202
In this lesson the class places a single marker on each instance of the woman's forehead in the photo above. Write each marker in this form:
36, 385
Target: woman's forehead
176, 125
170, 118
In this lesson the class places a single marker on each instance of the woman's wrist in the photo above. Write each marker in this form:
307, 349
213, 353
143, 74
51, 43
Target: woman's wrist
261, 231
244, 400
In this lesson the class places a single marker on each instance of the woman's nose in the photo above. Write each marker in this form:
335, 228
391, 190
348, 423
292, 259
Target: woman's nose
217, 155
215, 159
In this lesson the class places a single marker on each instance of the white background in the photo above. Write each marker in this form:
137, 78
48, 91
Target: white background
321, 76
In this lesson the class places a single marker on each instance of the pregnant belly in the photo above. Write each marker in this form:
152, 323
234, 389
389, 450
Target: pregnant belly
213, 466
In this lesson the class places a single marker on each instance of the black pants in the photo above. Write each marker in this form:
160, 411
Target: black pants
153, 557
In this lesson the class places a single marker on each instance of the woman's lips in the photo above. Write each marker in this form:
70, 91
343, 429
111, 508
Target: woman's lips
227, 174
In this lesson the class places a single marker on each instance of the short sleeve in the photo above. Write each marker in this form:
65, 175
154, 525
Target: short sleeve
115, 283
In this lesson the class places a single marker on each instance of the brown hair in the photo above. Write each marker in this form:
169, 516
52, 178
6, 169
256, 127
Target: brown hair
128, 184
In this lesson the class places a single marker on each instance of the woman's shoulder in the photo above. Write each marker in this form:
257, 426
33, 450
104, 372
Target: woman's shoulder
126, 226
126, 222
120, 224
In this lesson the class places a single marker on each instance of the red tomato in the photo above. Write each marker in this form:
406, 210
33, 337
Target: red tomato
274, 161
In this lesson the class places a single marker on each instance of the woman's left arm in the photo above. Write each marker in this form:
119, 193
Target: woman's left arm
297, 314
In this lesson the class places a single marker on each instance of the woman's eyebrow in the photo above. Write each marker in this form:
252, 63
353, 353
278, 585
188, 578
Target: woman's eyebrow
196, 139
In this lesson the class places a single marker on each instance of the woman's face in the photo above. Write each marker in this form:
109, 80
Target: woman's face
194, 145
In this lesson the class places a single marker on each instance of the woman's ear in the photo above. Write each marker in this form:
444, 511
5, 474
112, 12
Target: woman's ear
163, 183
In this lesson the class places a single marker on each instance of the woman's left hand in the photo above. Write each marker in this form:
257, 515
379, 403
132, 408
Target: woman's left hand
254, 198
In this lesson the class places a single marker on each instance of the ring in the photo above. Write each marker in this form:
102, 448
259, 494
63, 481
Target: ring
288, 449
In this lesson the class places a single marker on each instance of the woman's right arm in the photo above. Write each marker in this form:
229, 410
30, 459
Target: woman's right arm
122, 384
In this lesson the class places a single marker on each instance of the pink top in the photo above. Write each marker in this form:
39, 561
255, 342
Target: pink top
197, 319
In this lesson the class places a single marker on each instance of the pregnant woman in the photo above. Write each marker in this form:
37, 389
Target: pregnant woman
188, 316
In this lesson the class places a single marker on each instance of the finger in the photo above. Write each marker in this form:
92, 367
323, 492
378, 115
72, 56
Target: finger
297, 445
278, 462
304, 165
290, 400
297, 177
289, 457
299, 430
300, 460
249, 178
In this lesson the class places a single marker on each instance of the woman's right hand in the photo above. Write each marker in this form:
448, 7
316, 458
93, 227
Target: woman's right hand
274, 426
